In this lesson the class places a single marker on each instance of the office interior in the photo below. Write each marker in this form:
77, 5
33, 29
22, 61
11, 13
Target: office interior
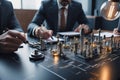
90, 7
66, 66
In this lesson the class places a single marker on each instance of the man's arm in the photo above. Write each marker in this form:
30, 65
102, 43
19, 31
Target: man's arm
11, 40
12, 20
82, 17
37, 20
83, 22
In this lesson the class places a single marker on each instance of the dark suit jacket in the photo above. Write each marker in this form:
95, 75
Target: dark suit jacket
48, 12
8, 18
119, 25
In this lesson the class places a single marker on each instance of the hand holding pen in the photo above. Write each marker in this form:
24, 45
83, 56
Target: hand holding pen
43, 32
11, 40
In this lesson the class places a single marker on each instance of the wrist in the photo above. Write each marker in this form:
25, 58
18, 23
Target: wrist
36, 32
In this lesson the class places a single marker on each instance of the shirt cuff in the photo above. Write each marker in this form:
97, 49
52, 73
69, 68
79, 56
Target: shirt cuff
33, 32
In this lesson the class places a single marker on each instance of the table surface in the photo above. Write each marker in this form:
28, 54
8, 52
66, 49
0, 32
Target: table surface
17, 66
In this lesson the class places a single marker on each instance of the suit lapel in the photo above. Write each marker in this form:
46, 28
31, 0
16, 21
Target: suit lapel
54, 14
3, 17
70, 16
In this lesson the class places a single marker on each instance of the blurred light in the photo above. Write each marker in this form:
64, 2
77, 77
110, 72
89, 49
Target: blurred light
105, 73
110, 10
56, 60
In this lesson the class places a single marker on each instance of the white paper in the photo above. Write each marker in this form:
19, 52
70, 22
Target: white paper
107, 34
69, 33
53, 39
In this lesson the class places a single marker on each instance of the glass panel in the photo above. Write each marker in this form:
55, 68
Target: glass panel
31, 4
16, 3
86, 4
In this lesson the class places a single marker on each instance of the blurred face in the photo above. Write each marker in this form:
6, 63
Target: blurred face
64, 2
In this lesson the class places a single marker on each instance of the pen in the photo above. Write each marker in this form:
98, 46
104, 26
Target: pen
25, 42
52, 37
5, 30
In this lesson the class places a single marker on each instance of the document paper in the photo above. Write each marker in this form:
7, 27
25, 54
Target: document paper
53, 39
107, 34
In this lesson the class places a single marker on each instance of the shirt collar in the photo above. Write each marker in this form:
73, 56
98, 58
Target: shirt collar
60, 6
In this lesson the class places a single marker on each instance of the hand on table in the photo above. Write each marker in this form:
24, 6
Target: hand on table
84, 26
115, 31
11, 40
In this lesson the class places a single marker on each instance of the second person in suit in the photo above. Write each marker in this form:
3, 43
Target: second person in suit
50, 13
11, 33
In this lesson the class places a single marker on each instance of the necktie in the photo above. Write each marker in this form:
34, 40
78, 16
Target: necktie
62, 19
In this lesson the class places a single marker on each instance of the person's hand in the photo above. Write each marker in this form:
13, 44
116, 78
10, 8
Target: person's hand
43, 32
85, 27
115, 31
11, 40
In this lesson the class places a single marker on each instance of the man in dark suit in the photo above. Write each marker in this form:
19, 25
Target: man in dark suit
10, 31
50, 13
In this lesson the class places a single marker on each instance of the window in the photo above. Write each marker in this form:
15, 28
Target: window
33, 4
16, 4
23, 4
86, 5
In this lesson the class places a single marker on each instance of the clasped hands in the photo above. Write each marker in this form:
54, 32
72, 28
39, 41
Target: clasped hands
45, 33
